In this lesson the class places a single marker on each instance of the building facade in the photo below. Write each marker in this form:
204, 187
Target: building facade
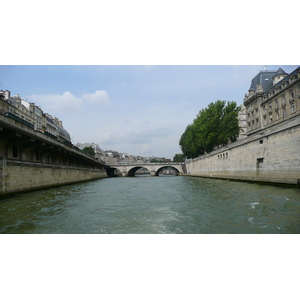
32, 115
274, 96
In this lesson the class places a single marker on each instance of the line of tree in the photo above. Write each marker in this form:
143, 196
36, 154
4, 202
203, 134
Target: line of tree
153, 160
214, 126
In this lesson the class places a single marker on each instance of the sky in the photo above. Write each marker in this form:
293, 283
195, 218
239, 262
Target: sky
138, 110
134, 109
131, 76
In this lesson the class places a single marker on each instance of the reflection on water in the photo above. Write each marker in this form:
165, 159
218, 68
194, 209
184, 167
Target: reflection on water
164, 204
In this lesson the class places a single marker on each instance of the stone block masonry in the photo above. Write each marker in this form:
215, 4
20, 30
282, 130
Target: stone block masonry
272, 156
31, 159
20, 176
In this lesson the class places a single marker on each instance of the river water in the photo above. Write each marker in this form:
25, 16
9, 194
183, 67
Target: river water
153, 205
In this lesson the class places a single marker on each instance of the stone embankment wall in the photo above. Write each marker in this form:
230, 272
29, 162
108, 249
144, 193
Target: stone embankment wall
273, 155
20, 176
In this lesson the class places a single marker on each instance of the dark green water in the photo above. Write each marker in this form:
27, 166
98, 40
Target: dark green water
151, 205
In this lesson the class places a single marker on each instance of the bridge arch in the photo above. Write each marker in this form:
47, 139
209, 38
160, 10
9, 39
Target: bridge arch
175, 171
123, 171
113, 172
132, 171
153, 168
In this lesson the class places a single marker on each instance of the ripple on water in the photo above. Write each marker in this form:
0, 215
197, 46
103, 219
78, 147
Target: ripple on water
154, 205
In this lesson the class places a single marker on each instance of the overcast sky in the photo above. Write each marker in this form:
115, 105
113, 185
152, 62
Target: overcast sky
139, 110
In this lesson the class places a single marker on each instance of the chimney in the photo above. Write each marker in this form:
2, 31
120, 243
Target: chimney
6, 94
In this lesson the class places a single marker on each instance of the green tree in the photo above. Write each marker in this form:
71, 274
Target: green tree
89, 150
190, 143
153, 160
214, 126
178, 158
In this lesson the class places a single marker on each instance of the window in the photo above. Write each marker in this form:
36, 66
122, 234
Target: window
261, 141
265, 120
292, 107
283, 98
15, 151
284, 111
260, 160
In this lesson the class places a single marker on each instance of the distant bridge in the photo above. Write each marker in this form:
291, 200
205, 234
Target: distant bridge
154, 169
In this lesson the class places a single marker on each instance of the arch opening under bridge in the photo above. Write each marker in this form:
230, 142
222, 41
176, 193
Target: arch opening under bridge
153, 169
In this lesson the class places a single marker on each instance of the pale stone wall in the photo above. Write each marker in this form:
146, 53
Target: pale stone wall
271, 156
20, 176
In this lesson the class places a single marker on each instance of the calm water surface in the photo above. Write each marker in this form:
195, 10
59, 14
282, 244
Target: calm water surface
163, 204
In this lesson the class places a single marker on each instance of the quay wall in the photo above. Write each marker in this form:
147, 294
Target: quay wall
271, 155
20, 176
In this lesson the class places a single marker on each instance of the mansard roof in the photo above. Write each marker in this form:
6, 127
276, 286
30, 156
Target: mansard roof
265, 78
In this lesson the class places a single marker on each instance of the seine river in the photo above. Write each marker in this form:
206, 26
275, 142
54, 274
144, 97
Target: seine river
154, 205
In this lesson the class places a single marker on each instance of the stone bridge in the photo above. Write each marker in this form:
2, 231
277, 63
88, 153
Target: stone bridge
128, 170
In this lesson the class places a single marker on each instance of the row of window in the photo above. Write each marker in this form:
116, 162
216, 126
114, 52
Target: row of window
21, 116
223, 156
15, 154
272, 115
278, 88
283, 101
51, 159
254, 112
290, 94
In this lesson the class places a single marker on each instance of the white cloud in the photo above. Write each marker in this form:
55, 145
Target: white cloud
51, 102
99, 97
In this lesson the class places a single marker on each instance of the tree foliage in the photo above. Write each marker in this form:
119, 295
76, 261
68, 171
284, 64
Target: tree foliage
153, 160
214, 126
178, 158
89, 150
